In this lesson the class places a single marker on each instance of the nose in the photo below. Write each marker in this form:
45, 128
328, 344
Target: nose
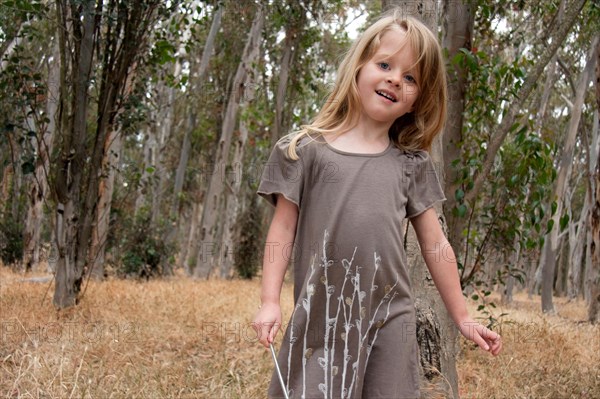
394, 80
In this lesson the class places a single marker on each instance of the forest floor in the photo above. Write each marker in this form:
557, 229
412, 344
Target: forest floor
184, 338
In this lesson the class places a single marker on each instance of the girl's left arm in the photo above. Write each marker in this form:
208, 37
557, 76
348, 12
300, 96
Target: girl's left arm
441, 262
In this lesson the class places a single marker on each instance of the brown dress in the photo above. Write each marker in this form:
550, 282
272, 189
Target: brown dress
352, 333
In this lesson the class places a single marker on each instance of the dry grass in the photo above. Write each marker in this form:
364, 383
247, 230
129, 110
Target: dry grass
180, 338
544, 356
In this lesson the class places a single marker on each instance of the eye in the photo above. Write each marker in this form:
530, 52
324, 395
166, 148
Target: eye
410, 79
384, 65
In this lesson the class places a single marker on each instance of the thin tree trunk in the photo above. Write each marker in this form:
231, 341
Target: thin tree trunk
562, 268
552, 242
593, 272
39, 191
291, 42
112, 155
232, 209
190, 121
212, 213
148, 157
165, 129
594, 159
514, 262
577, 239
185, 259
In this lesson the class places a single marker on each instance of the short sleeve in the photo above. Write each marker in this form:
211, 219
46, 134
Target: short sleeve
424, 185
282, 175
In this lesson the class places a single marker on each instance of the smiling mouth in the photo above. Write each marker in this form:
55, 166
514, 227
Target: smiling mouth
386, 95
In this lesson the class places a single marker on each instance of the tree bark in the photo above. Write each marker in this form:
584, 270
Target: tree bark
552, 241
211, 231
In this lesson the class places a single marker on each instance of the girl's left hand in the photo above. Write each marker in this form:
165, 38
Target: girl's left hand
485, 338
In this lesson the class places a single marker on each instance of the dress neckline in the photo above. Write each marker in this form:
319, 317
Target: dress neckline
358, 154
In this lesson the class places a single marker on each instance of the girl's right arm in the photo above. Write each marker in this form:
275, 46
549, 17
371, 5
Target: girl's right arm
281, 232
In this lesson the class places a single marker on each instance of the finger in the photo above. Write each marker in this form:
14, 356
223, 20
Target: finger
273, 332
479, 339
489, 335
494, 341
267, 336
262, 333
497, 346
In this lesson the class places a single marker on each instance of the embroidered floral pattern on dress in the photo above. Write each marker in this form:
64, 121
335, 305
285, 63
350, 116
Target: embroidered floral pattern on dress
344, 309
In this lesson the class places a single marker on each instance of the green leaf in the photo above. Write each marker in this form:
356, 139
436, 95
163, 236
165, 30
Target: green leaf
459, 194
475, 297
550, 226
553, 208
564, 221
461, 210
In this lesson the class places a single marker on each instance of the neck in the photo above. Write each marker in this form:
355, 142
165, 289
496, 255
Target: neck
372, 132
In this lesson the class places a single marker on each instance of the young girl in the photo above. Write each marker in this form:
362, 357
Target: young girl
341, 188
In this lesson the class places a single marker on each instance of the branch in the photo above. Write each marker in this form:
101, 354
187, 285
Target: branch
568, 76
557, 38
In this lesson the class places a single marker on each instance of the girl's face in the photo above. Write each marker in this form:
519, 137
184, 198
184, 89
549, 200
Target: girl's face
388, 84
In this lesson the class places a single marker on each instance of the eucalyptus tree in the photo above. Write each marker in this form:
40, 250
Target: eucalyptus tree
104, 43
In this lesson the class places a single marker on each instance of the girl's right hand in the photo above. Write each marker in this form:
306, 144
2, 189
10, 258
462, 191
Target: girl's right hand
267, 322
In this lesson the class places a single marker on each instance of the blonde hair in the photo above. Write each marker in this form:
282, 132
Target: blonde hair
413, 131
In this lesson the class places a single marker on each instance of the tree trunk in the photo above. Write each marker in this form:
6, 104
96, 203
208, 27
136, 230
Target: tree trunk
593, 164
562, 267
185, 260
189, 125
212, 214
552, 242
458, 32
148, 151
39, 191
293, 35
514, 262
577, 242
69, 270
232, 209
436, 333
165, 129
110, 164
593, 272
